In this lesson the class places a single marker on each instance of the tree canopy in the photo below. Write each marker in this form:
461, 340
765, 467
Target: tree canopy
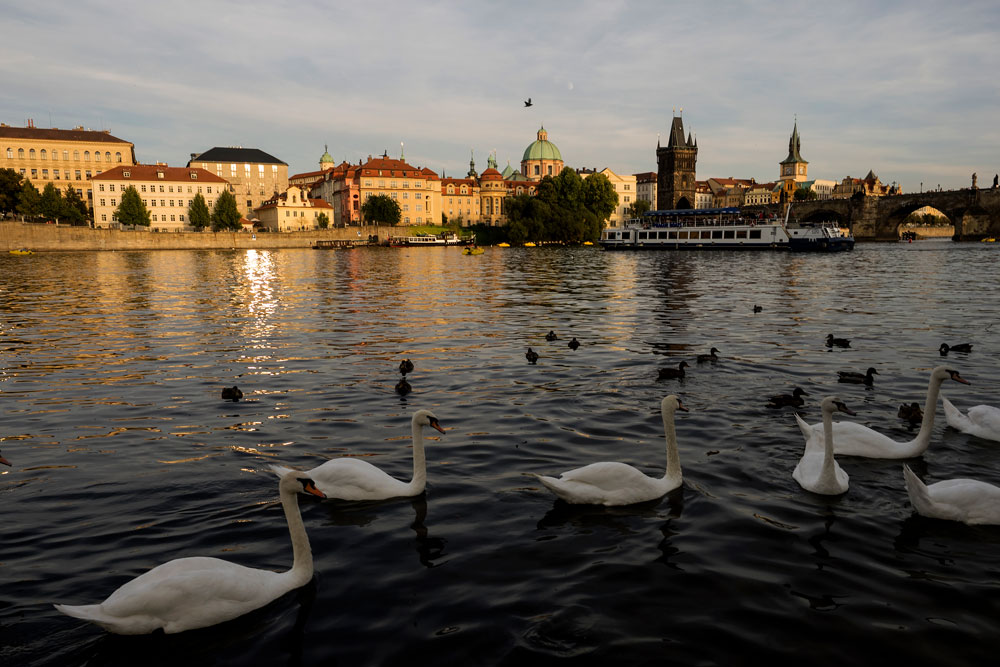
131, 210
29, 201
323, 220
51, 204
198, 215
637, 208
566, 209
225, 214
10, 189
382, 210
74, 208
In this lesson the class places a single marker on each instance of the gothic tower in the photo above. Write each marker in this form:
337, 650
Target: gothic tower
794, 169
675, 169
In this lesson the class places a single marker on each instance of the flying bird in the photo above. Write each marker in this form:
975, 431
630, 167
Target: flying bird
527, 102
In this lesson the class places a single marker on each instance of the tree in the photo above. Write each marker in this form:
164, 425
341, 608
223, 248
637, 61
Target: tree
131, 210
381, 210
10, 188
51, 204
74, 208
599, 196
323, 220
804, 194
28, 200
637, 208
225, 214
198, 215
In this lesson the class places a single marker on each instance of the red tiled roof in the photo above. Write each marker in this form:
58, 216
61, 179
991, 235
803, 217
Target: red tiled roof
149, 172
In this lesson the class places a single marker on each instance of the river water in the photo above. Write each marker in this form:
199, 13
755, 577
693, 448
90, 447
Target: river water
125, 456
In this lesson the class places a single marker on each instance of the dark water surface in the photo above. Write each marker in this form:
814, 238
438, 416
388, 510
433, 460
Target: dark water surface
125, 456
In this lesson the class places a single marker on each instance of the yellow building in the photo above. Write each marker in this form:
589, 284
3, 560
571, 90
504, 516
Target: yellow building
62, 157
292, 211
167, 192
794, 170
625, 186
253, 175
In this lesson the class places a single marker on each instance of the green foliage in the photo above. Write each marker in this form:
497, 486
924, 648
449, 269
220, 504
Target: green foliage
599, 196
381, 210
198, 214
51, 205
225, 214
131, 210
74, 208
637, 208
323, 220
804, 194
29, 201
565, 210
10, 189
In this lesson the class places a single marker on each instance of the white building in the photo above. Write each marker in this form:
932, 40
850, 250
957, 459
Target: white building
167, 192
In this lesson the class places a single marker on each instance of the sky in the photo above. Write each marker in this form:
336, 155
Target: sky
908, 90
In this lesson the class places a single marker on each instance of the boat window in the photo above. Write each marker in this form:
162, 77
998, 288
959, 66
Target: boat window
728, 233
673, 235
755, 233
682, 235
706, 234
717, 234
662, 235
643, 235
741, 233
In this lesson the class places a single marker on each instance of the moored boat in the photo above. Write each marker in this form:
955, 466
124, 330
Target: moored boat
427, 240
22, 251
818, 237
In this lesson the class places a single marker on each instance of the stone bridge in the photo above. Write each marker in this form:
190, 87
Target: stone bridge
975, 213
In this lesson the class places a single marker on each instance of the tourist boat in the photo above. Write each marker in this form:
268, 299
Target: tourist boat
426, 240
472, 251
722, 228
22, 251
334, 244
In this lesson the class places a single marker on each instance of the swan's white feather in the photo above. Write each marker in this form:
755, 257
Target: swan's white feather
966, 500
982, 421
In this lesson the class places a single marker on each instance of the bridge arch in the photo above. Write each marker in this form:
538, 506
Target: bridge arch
893, 219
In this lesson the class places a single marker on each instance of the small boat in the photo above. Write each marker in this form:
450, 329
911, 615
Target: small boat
503, 245
472, 251
22, 251
588, 243
334, 244
989, 239
529, 244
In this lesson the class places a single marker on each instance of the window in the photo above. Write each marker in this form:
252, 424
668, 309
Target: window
171, 202
76, 156
232, 170
118, 157
86, 156
97, 156
20, 153
77, 174
34, 173
260, 171
209, 190
102, 202
10, 153
88, 174
45, 174
537, 170
104, 217
107, 156
114, 202
161, 188
31, 154
65, 155
111, 188
55, 173
181, 217
144, 188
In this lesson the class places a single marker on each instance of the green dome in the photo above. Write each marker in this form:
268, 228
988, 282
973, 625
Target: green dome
542, 149
326, 157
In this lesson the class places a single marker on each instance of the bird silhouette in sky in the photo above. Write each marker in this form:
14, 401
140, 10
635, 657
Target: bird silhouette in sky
527, 102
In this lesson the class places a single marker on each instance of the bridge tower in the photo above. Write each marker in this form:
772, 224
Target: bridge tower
675, 169
794, 169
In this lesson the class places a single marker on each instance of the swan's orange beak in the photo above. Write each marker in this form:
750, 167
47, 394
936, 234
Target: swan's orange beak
434, 424
310, 487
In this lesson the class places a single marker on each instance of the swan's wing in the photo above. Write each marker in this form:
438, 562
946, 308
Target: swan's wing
607, 483
986, 419
606, 475
353, 479
966, 500
853, 439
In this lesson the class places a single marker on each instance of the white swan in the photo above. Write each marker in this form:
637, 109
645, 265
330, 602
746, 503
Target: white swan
350, 478
851, 439
817, 470
966, 500
614, 483
189, 593
982, 421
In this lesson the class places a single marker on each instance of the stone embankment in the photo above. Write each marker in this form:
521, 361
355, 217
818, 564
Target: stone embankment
50, 237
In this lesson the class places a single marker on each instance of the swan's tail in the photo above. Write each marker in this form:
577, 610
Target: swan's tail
87, 612
917, 491
807, 431
280, 471
954, 416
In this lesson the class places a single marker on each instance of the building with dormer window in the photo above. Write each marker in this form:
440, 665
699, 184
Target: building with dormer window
292, 211
167, 192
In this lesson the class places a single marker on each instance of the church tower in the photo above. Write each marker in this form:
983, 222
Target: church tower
675, 169
794, 169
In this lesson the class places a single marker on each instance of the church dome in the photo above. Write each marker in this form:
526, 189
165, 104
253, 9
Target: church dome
326, 157
491, 174
542, 149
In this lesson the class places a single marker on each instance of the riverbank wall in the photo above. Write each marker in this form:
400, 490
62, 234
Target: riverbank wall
51, 238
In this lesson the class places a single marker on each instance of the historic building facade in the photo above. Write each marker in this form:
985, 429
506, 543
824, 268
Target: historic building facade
675, 169
254, 176
65, 158
167, 192
625, 187
541, 158
793, 169
292, 210
645, 187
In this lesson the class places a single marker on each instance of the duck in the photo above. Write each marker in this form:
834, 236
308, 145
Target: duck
967, 500
817, 470
982, 421
198, 592
852, 439
531, 356
350, 478
232, 394
837, 342
551, 336
670, 373
613, 483
405, 366
5, 461
573, 344
788, 400
961, 347
711, 356
757, 308
912, 412
857, 378
403, 387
